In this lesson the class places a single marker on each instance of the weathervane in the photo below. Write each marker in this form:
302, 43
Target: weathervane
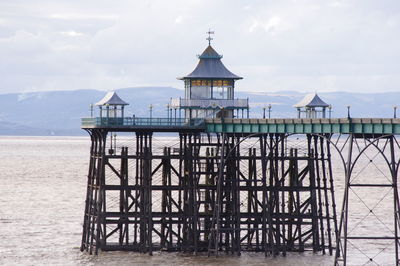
209, 32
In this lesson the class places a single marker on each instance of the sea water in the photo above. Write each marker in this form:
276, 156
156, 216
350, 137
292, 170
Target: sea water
42, 195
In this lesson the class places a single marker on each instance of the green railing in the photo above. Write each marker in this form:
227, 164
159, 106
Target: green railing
139, 121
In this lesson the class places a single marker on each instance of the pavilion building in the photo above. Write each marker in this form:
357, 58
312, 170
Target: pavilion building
111, 106
209, 90
311, 106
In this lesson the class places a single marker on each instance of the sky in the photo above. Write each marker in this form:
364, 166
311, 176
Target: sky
300, 45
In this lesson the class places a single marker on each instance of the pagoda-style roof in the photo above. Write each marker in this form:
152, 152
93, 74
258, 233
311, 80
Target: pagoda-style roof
111, 98
211, 66
311, 100
210, 53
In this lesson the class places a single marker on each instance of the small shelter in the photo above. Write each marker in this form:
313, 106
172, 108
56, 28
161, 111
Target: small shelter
312, 106
111, 106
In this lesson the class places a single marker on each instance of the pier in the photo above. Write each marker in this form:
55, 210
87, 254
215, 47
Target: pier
231, 183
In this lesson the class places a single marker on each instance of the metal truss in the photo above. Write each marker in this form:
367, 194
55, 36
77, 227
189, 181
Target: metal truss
369, 217
210, 193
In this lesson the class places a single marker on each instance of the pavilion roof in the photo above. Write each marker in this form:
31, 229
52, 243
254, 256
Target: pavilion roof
311, 100
111, 98
211, 66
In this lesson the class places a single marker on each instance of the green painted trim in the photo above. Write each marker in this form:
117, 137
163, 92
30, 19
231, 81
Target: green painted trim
390, 126
211, 108
304, 126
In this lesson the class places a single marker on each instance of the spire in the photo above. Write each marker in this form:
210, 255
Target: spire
209, 53
209, 39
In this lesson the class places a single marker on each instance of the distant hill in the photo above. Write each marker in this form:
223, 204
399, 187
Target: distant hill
59, 112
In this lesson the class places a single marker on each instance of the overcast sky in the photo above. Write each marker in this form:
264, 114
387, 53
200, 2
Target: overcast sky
302, 45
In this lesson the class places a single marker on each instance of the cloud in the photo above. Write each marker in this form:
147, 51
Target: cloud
254, 25
276, 45
272, 24
179, 19
77, 16
72, 33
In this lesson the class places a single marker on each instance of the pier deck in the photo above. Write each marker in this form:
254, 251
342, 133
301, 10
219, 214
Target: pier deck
273, 125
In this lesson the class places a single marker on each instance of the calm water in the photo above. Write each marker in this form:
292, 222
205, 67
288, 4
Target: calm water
42, 195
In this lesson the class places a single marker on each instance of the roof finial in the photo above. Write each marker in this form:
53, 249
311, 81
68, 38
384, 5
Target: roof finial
209, 32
